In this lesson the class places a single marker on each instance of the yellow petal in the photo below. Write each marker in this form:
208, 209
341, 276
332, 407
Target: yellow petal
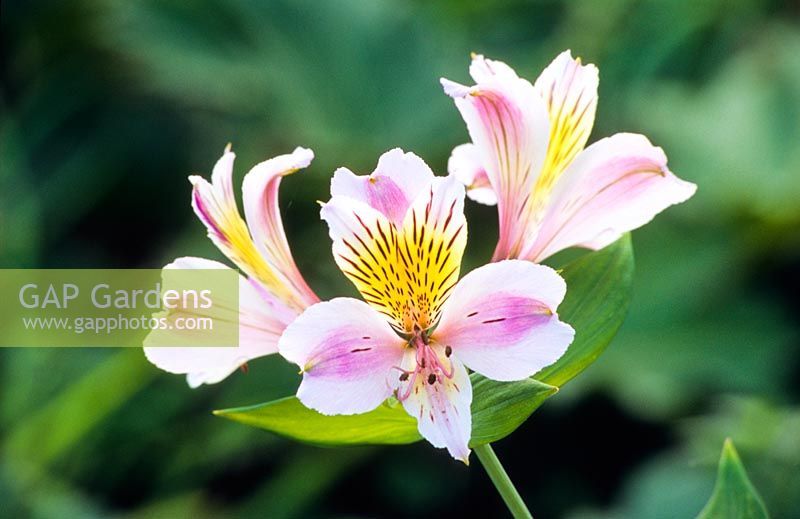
569, 90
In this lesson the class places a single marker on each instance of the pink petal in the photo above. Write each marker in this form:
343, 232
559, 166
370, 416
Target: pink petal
616, 185
442, 408
270, 261
509, 126
501, 320
538, 212
260, 325
466, 166
213, 202
346, 352
260, 194
390, 189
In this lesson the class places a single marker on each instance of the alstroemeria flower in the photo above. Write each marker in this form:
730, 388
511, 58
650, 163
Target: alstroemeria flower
271, 293
527, 155
398, 235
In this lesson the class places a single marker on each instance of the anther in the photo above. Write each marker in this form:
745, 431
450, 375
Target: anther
448, 351
431, 378
403, 376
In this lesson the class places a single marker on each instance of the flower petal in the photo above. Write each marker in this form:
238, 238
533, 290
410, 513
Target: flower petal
260, 195
466, 166
616, 185
501, 320
508, 123
260, 325
431, 246
365, 249
570, 92
270, 262
442, 408
346, 352
485, 70
390, 189
403, 273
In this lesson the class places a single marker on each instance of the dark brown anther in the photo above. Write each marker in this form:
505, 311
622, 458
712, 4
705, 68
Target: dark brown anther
403, 377
448, 351
431, 378
422, 363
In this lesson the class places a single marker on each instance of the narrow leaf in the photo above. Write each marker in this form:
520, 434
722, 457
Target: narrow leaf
734, 497
388, 424
497, 409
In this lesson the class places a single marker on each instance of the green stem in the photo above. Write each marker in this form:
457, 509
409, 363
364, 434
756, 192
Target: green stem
502, 482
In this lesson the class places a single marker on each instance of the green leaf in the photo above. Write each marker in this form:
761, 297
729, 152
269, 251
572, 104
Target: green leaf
497, 409
598, 293
599, 289
388, 424
734, 497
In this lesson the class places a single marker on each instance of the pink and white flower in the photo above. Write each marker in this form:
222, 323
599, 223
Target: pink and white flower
271, 293
527, 155
399, 235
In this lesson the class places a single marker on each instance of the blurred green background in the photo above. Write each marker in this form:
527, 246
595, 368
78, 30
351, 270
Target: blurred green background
107, 105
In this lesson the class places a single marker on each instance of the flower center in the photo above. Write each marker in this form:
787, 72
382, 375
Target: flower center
425, 363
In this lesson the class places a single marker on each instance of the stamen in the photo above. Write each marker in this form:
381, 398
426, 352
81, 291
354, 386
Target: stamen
408, 389
431, 378
447, 373
448, 351
404, 373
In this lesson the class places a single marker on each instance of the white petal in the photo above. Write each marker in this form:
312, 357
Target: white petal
260, 195
268, 259
396, 182
466, 166
442, 408
501, 320
615, 185
346, 352
260, 324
